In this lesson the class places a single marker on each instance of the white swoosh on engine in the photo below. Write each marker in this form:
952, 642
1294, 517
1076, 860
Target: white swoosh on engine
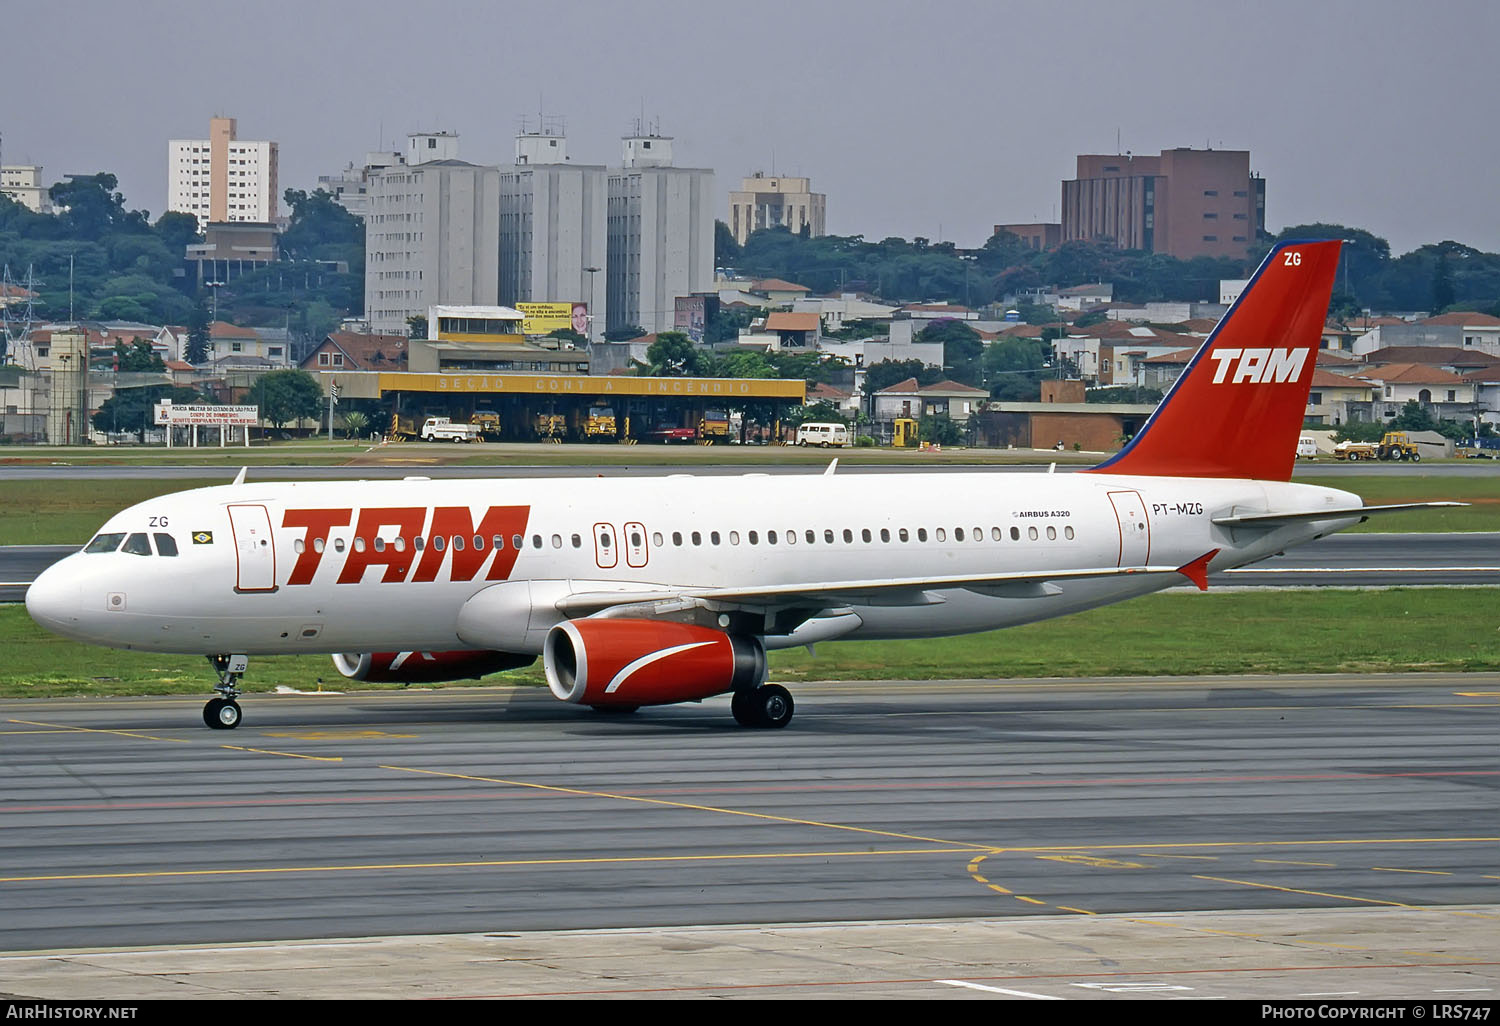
647, 660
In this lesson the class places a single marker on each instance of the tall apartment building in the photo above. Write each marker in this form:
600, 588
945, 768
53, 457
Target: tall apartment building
1184, 203
431, 235
552, 227
660, 234
772, 201
223, 177
23, 183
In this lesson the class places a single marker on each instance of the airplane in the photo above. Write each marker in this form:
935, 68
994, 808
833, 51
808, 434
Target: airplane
638, 592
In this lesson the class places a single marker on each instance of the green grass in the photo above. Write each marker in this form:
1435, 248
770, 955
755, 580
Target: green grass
68, 512
1316, 631
1482, 493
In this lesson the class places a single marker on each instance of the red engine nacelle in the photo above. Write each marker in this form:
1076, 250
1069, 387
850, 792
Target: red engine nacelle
647, 662
425, 667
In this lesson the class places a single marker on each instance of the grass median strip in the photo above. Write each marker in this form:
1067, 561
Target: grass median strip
1316, 631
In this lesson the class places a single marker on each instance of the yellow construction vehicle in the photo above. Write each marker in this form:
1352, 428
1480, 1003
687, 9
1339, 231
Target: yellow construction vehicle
599, 425
713, 427
488, 423
403, 428
551, 426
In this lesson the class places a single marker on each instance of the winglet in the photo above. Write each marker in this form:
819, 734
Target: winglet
239, 478
1197, 570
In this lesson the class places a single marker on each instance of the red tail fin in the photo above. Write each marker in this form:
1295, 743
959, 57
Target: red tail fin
1237, 409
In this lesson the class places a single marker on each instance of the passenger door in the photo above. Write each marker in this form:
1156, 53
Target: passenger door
255, 548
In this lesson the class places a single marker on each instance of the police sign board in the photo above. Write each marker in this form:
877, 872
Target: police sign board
175, 414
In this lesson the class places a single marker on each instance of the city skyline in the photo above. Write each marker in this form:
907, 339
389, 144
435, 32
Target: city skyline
1367, 114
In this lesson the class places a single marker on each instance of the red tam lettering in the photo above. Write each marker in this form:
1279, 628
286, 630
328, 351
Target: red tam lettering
451, 522
408, 521
318, 523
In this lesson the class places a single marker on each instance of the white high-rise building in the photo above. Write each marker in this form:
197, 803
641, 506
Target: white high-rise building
223, 178
431, 236
552, 227
661, 234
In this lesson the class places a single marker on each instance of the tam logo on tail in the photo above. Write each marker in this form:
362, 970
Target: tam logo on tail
1210, 425
1258, 365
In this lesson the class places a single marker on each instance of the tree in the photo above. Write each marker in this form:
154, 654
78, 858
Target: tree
416, 327
624, 333
137, 358
197, 348
1013, 367
178, 230
134, 409
1413, 417
1442, 285
320, 228
673, 355
940, 429
727, 252
885, 373
287, 395
963, 349
91, 208
568, 335
356, 423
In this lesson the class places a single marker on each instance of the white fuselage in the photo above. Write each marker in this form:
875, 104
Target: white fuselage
248, 576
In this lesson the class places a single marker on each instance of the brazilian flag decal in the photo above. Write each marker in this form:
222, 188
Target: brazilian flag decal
203, 537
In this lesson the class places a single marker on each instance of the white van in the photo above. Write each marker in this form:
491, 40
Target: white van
823, 434
1307, 448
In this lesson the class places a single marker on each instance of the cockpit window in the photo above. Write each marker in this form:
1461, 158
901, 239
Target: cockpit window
104, 543
137, 545
166, 545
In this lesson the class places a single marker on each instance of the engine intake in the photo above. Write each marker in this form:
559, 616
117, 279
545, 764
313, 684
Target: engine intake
647, 662
425, 667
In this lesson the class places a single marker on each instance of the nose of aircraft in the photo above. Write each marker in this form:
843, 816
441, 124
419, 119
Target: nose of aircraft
54, 599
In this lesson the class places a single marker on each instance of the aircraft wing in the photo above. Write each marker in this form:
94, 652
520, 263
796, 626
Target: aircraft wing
1277, 519
887, 591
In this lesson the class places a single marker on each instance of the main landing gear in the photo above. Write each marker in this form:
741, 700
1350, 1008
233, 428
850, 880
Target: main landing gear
769, 705
223, 713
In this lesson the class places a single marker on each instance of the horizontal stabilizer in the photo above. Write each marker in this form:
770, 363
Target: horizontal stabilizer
1197, 570
1277, 519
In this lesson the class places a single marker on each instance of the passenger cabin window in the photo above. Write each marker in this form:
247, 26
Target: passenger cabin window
104, 543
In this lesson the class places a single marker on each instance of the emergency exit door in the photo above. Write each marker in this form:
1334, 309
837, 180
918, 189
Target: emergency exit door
1135, 529
255, 549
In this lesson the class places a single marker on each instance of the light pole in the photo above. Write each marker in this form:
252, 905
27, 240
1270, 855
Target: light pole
215, 286
591, 271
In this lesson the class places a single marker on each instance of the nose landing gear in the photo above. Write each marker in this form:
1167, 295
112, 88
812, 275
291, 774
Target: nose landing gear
223, 713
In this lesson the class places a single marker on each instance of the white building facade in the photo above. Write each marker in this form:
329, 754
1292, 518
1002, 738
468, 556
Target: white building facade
660, 241
552, 228
23, 183
431, 237
774, 201
223, 177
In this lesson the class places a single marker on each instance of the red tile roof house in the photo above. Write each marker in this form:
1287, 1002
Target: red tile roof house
348, 350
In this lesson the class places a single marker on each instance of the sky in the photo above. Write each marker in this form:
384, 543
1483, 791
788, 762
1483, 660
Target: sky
938, 119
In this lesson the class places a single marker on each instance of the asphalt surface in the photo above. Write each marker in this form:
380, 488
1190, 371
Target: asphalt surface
993, 839
1341, 560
